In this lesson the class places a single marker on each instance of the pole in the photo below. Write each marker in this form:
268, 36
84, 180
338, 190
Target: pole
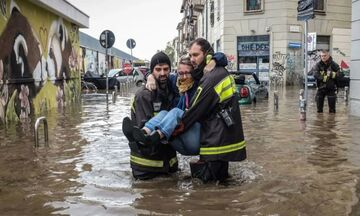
303, 95
106, 64
306, 64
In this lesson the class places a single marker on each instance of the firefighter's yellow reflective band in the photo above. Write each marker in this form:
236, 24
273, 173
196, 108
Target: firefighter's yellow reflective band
173, 161
197, 94
333, 75
146, 162
222, 149
226, 88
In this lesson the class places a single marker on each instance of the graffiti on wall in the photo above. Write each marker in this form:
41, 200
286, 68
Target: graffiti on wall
90, 61
283, 65
313, 58
36, 65
102, 64
278, 69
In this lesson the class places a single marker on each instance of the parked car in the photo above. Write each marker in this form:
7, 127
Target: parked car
249, 88
99, 81
139, 75
134, 75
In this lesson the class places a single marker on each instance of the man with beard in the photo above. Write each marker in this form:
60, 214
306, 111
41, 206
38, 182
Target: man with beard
215, 106
150, 161
327, 75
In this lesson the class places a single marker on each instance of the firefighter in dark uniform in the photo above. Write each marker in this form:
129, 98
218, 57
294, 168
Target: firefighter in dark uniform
150, 161
327, 74
215, 106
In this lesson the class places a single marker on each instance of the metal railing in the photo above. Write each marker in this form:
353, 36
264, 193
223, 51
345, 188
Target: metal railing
36, 131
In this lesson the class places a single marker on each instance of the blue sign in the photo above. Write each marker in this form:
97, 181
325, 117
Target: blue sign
295, 45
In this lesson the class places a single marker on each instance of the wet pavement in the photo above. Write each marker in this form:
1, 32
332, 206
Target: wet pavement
293, 167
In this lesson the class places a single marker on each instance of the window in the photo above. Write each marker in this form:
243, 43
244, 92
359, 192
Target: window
212, 15
218, 46
323, 42
218, 10
319, 6
254, 5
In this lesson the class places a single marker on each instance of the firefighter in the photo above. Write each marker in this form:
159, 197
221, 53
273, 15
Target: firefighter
148, 161
215, 106
327, 74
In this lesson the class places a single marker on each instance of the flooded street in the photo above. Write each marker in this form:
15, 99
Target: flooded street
293, 167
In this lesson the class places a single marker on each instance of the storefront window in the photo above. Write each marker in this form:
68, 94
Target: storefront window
253, 55
254, 5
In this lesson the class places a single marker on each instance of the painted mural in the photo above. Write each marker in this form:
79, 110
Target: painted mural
39, 61
90, 60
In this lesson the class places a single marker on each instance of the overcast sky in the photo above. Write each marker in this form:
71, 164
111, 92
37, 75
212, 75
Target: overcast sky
151, 23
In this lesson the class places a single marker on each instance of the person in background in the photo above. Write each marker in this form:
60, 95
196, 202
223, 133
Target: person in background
327, 74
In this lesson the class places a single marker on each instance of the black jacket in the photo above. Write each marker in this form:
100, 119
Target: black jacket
216, 92
323, 80
147, 103
155, 159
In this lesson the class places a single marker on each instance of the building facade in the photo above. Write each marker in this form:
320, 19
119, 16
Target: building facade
93, 56
39, 57
355, 60
264, 36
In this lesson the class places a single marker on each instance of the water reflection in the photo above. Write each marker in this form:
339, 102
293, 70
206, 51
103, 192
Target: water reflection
293, 167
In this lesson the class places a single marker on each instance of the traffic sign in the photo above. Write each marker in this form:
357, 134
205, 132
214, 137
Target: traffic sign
107, 39
127, 68
130, 43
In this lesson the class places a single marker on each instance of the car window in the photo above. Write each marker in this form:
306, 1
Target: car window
113, 73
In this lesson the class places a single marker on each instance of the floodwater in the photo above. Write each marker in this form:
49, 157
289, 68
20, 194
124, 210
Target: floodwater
293, 167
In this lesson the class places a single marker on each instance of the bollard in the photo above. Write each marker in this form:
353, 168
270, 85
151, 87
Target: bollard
302, 105
36, 132
346, 96
276, 100
122, 89
113, 96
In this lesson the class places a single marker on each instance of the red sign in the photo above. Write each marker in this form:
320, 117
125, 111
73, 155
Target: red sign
127, 68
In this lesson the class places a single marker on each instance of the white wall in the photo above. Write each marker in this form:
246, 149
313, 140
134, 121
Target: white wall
355, 60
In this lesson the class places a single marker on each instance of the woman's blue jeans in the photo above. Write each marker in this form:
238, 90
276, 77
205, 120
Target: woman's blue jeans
187, 143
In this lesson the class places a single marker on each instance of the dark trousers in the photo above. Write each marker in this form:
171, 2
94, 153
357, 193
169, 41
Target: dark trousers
320, 97
210, 170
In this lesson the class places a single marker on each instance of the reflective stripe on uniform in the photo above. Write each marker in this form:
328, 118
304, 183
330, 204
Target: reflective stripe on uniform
226, 88
146, 162
222, 149
197, 94
173, 161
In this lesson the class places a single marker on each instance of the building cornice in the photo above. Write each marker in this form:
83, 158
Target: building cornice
66, 10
